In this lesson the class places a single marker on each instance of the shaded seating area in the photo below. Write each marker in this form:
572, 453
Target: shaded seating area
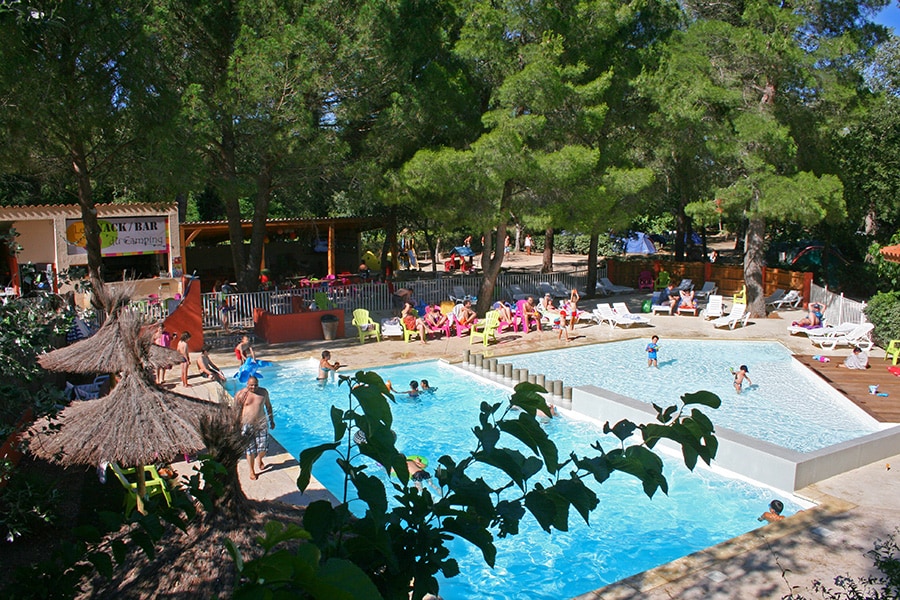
89, 391
154, 484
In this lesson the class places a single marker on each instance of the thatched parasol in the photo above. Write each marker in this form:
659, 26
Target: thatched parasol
123, 341
136, 424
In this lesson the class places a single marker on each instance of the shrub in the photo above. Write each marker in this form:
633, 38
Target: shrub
25, 505
883, 311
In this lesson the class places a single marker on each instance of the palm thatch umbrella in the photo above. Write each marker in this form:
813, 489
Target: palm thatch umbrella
138, 422
124, 341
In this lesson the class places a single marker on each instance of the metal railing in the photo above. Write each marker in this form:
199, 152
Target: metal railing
373, 296
838, 308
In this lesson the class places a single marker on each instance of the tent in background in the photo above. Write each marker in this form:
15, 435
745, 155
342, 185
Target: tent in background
639, 243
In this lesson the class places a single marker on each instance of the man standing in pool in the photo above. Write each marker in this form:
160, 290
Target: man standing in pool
740, 377
253, 402
652, 349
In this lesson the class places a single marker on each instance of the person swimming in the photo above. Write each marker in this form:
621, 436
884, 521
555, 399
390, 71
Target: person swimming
425, 388
412, 392
774, 513
326, 366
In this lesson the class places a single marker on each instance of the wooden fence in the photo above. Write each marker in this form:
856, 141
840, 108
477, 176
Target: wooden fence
729, 278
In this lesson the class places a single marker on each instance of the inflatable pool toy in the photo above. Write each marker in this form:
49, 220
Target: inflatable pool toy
250, 368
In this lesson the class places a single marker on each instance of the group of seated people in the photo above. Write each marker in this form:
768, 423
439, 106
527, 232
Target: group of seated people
675, 298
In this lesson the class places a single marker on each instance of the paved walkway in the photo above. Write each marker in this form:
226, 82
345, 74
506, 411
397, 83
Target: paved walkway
831, 539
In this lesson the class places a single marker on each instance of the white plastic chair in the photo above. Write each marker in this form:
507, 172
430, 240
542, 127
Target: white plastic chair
624, 314
734, 317
715, 308
859, 336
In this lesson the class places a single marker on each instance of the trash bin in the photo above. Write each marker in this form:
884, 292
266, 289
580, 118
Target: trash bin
329, 326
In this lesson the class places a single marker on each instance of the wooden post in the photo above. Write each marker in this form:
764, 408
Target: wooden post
141, 489
331, 269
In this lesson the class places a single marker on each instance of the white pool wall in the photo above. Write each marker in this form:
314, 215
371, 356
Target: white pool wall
758, 460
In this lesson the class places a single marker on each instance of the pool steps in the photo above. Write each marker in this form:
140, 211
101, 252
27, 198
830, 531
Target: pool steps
506, 373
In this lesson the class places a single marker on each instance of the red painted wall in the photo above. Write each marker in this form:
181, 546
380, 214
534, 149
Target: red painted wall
294, 327
187, 316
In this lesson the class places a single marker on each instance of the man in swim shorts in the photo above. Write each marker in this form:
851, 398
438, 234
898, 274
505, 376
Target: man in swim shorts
253, 402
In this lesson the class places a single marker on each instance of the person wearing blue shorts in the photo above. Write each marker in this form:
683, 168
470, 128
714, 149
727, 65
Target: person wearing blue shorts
652, 349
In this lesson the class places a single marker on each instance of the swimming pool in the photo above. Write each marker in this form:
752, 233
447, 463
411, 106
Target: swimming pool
787, 405
629, 534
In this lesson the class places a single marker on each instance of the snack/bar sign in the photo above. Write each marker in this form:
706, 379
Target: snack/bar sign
122, 236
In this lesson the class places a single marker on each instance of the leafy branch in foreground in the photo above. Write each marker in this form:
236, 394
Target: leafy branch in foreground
395, 551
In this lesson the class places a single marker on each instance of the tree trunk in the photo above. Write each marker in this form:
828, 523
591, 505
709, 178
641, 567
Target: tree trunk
754, 257
547, 257
88, 217
490, 264
591, 290
228, 190
249, 278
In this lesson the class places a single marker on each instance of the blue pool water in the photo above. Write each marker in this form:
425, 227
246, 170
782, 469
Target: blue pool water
788, 405
629, 533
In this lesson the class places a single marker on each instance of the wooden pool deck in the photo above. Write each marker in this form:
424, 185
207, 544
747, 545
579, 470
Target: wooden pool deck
855, 384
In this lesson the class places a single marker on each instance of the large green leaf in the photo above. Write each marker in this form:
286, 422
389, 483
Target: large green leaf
488, 435
549, 508
598, 466
337, 423
643, 464
474, 532
622, 430
702, 397
579, 495
509, 514
527, 430
340, 579
512, 462
308, 458
374, 404
527, 396
371, 491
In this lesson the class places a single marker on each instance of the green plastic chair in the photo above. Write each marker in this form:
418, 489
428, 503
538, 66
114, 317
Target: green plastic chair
486, 329
154, 485
365, 325
892, 351
662, 280
323, 302
409, 333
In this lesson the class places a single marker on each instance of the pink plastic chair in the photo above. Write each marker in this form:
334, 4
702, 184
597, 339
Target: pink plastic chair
521, 320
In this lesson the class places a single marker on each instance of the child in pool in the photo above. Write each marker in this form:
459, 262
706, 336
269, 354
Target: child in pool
652, 349
412, 392
740, 377
774, 512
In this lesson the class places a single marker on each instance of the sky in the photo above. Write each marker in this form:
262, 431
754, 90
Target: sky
890, 16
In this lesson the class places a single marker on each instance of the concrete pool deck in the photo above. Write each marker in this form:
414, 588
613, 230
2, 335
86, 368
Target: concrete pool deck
854, 509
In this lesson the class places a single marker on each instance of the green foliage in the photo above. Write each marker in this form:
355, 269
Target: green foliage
888, 272
883, 311
400, 548
26, 505
100, 547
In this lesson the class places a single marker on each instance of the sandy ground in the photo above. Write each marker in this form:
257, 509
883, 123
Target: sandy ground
831, 539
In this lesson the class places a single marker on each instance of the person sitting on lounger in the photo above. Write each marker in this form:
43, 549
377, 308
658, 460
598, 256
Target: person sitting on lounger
815, 318
687, 300
857, 360
546, 305
464, 314
411, 321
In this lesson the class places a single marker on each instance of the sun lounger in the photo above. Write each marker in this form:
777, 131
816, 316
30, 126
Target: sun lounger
738, 315
624, 314
793, 299
858, 336
818, 330
613, 288
714, 308
709, 288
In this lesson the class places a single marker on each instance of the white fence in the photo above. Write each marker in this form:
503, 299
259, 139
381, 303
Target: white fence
838, 308
372, 296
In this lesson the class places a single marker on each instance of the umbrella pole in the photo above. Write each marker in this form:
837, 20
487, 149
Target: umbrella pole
141, 489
